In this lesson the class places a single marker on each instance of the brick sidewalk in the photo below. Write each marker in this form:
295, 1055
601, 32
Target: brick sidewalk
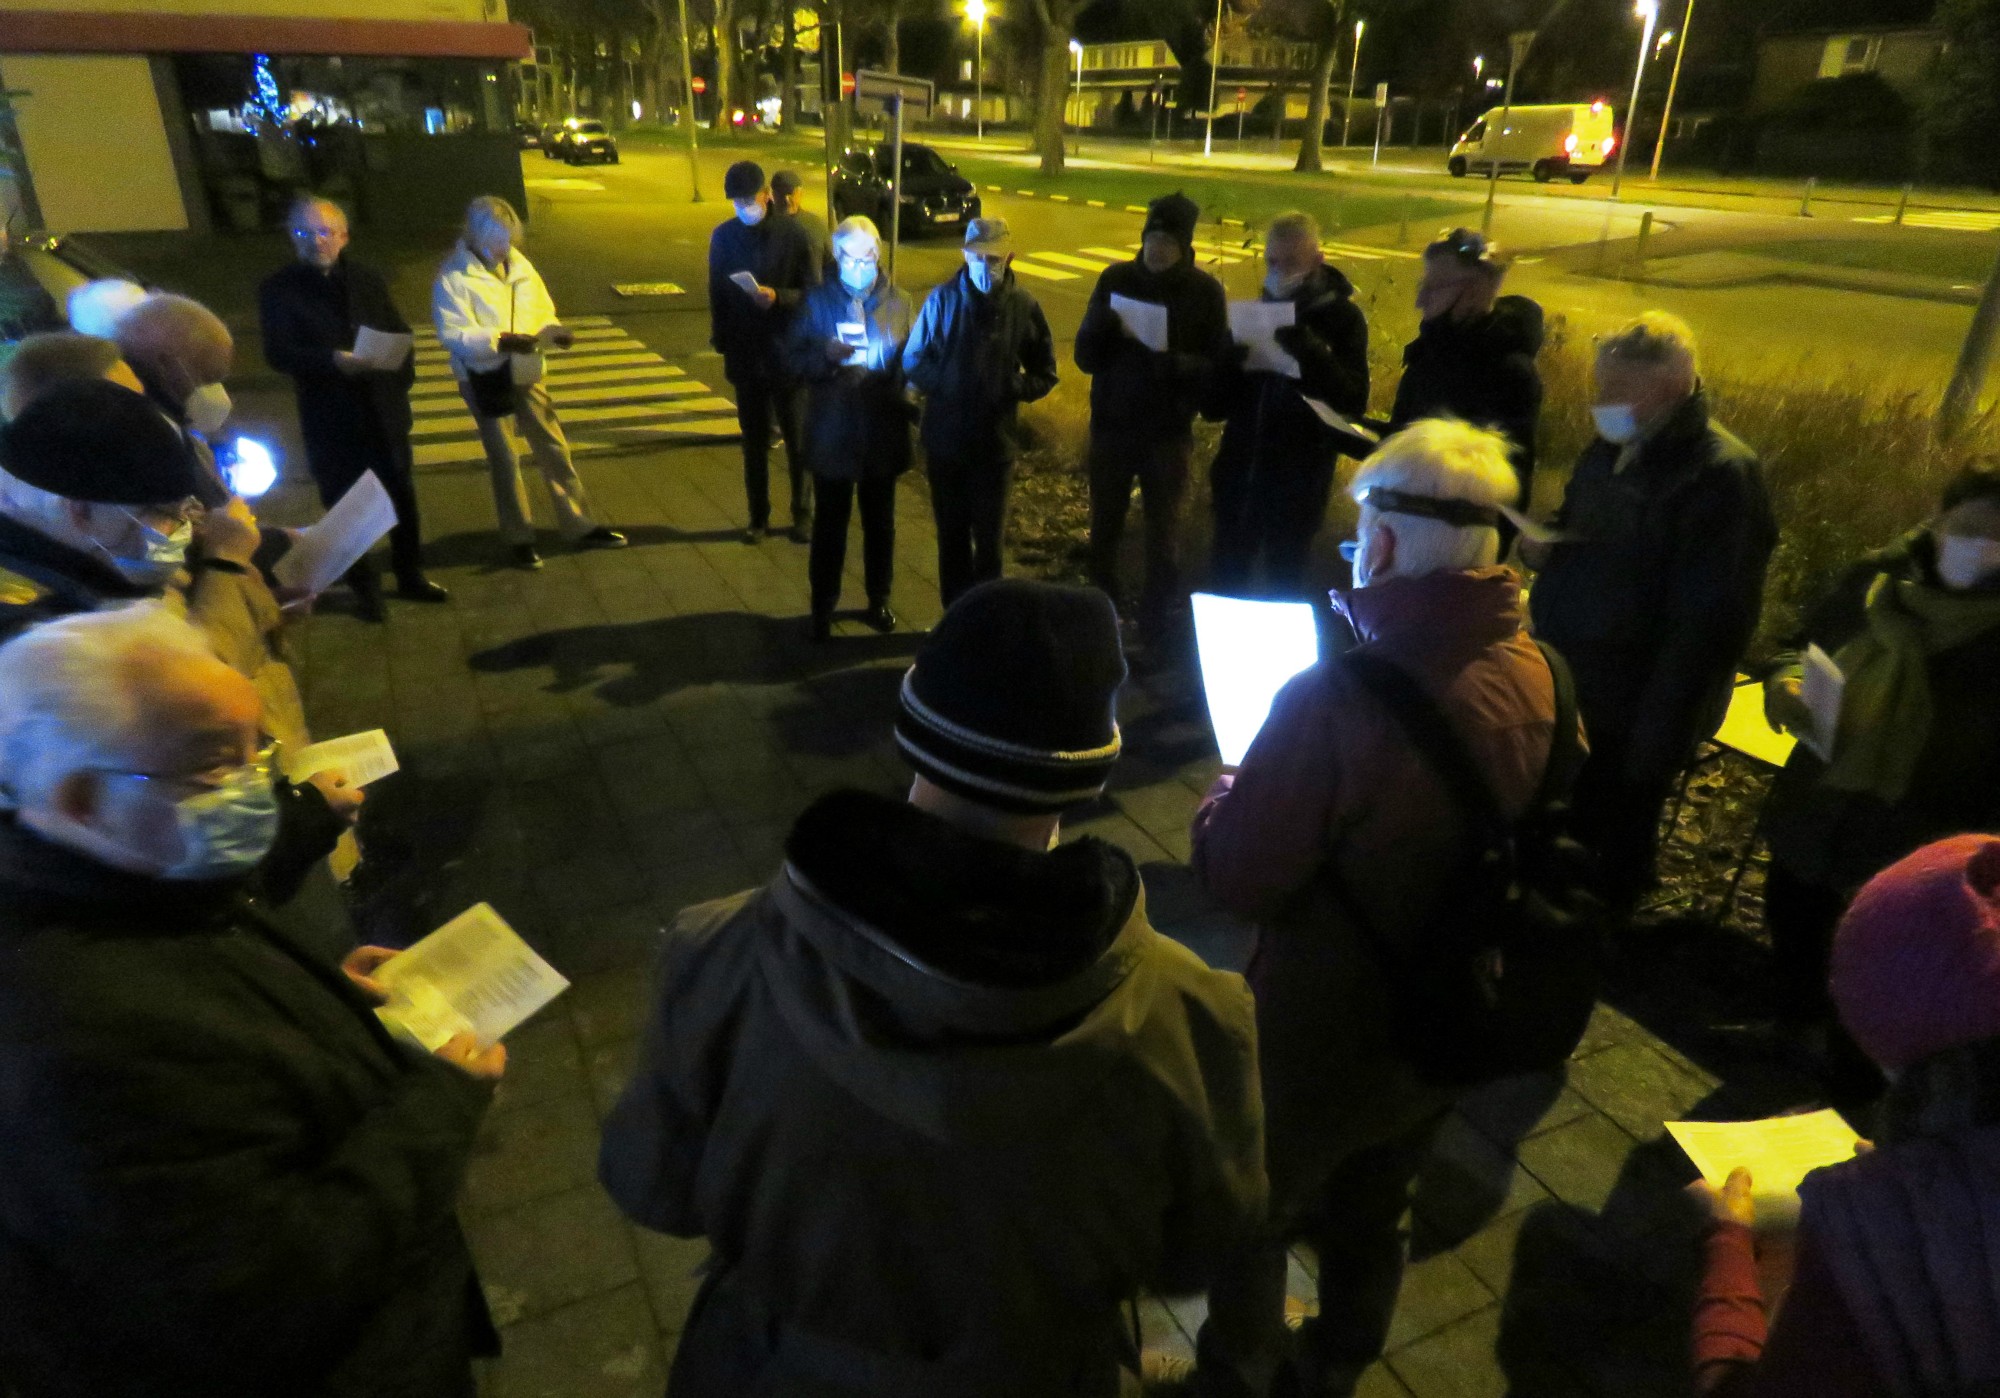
595, 746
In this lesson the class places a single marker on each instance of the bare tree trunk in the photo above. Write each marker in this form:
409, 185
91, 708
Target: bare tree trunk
895, 54
1315, 132
1055, 88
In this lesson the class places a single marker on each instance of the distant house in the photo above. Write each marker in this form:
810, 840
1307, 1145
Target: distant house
1899, 55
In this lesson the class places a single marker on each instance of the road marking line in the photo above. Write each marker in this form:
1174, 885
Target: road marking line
1063, 259
1045, 273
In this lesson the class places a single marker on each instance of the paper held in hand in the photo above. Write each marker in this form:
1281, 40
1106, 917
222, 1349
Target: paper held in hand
1822, 689
360, 757
1254, 323
1145, 321
1248, 651
474, 975
324, 551
1778, 1151
383, 350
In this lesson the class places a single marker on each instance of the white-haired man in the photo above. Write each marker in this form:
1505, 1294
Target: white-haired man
846, 347
222, 1176
1337, 817
1653, 590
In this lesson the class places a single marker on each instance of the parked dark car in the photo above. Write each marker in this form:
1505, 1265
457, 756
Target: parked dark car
935, 195
583, 138
527, 135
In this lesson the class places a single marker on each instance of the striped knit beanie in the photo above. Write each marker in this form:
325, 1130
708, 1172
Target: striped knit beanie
1013, 698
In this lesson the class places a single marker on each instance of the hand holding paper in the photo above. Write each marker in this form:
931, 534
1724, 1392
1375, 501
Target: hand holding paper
321, 552
1144, 321
1248, 651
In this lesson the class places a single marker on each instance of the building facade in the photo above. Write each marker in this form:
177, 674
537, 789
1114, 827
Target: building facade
143, 115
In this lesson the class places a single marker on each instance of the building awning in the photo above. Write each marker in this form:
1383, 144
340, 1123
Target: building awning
66, 31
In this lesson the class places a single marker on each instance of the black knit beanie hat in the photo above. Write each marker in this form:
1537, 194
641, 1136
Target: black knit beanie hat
1173, 214
1013, 698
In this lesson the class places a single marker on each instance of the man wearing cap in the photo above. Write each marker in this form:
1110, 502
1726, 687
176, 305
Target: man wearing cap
1143, 398
757, 275
1474, 355
355, 418
787, 207
1335, 837
980, 348
938, 1096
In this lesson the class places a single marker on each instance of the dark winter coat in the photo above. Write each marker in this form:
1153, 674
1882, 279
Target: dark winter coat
221, 1175
941, 1106
779, 254
857, 418
1138, 393
351, 422
1841, 839
976, 358
1655, 590
1269, 424
1481, 371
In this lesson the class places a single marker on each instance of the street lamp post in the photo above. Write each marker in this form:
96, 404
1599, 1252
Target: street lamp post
1353, 67
1649, 11
1076, 51
1214, 66
1673, 86
975, 10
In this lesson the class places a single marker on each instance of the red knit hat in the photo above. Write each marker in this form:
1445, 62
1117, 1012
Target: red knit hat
1916, 962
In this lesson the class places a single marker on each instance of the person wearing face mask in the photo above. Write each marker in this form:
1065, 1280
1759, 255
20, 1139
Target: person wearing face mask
1336, 837
354, 418
223, 1175
1143, 400
1273, 473
747, 326
980, 348
1652, 587
1474, 355
1915, 628
846, 347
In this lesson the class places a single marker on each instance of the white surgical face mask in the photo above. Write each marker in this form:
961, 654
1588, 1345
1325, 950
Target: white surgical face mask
1966, 560
1283, 287
751, 211
207, 408
1615, 422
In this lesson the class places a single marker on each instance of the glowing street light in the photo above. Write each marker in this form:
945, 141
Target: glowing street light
1649, 11
1347, 112
975, 10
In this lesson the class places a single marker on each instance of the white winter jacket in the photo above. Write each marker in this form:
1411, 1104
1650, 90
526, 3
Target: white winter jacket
472, 306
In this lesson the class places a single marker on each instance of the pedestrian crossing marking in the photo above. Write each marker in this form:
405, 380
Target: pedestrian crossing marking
1063, 259
1955, 220
610, 391
1045, 273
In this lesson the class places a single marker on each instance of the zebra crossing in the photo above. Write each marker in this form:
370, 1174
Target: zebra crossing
1209, 252
610, 391
1955, 220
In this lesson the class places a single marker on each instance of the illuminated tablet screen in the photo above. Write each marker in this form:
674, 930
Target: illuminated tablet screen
1248, 651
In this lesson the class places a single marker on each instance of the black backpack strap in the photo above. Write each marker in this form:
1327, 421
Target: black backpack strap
1432, 733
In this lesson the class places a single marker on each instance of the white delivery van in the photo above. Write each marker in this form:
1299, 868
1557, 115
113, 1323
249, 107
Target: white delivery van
1571, 138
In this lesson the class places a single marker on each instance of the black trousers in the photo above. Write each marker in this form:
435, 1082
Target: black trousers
969, 503
334, 475
1160, 466
761, 402
1266, 511
829, 539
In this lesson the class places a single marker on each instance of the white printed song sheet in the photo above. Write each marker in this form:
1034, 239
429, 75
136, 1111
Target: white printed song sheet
384, 350
360, 757
1255, 323
474, 975
1144, 321
324, 551
1248, 651
1822, 688
1778, 1151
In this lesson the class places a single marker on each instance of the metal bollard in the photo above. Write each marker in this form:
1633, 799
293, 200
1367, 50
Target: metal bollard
1805, 204
1639, 252
1903, 204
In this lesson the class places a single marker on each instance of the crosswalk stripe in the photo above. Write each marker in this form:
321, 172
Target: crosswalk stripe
1063, 259
1045, 273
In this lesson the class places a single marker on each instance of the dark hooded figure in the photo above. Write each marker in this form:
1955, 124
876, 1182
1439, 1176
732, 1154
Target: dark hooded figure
1143, 396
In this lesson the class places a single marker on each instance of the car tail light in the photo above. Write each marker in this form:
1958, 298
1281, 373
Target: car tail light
1570, 143
1610, 143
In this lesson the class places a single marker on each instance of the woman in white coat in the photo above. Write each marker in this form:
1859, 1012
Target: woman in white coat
494, 315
